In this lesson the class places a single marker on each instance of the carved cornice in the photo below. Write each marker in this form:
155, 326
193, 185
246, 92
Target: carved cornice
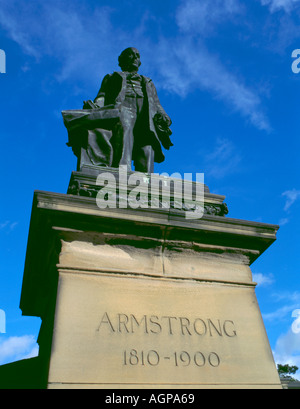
77, 188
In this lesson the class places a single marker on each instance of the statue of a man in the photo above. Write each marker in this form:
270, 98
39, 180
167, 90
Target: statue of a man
125, 123
144, 123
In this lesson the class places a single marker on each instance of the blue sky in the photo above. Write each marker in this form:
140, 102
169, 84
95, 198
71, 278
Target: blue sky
223, 72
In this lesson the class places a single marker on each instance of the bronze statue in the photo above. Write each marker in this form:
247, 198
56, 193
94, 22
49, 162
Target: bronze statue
125, 122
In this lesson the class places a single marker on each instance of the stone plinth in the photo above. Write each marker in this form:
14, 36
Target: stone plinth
145, 298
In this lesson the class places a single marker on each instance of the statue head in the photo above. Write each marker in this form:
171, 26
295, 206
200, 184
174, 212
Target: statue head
129, 60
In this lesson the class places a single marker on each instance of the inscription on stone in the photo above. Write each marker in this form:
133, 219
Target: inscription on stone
130, 323
167, 325
182, 358
139, 332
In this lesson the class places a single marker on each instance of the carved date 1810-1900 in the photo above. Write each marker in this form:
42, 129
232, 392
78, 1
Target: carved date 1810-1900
183, 358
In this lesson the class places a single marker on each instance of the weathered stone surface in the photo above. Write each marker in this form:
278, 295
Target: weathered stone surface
145, 298
128, 331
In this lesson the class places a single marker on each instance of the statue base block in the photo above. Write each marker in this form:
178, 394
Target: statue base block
145, 298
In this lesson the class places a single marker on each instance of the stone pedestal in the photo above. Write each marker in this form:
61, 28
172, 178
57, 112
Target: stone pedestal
145, 298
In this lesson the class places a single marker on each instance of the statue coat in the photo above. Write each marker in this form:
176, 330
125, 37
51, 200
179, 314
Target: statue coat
113, 90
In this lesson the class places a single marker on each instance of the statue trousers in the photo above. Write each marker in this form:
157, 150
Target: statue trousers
128, 143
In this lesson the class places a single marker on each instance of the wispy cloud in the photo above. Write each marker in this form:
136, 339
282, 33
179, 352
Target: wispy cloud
275, 5
16, 348
263, 280
224, 159
72, 35
291, 197
85, 44
280, 314
283, 221
8, 225
290, 301
186, 65
194, 16
287, 350
9, 22
291, 296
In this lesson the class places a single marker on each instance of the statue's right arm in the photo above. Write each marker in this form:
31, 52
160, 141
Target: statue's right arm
100, 98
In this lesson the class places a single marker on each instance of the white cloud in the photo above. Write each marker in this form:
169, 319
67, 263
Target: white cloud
223, 160
17, 348
287, 350
73, 36
4, 224
185, 65
275, 5
292, 296
291, 197
8, 225
195, 16
283, 221
263, 280
279, 314
291, 300
13, 27
85, 45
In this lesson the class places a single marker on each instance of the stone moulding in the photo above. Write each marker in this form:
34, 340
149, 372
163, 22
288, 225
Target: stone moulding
165, 233
90, 273
83, 183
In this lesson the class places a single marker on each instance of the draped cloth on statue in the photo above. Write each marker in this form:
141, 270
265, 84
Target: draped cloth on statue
91, 131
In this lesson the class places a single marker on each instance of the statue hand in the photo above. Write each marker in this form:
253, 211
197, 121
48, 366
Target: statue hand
167, 120
163, 120
99, 102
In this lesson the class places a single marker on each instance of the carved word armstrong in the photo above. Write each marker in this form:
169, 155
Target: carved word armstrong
169, 325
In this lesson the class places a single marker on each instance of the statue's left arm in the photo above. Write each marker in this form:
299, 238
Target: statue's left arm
157, 108
160, 119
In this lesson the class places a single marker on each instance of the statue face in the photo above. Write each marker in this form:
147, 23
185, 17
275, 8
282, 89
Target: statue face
131, 60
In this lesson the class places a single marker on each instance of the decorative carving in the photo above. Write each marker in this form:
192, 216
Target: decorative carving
212, 209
